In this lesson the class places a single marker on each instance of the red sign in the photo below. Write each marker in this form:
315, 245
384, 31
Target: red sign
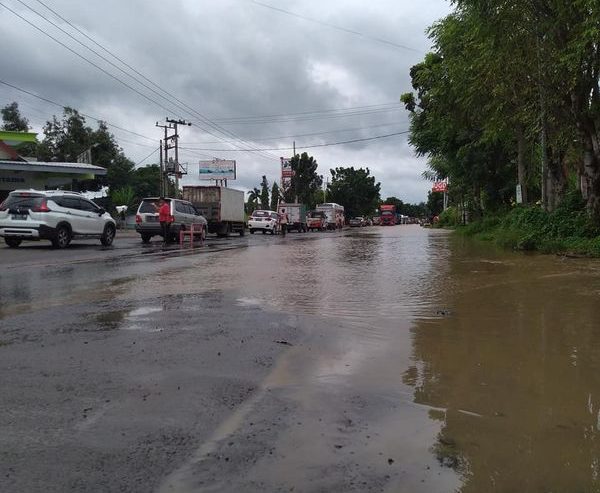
440, 186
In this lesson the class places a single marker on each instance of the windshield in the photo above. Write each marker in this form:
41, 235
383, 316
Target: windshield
22, 201
260, 214
149, 206
386, 213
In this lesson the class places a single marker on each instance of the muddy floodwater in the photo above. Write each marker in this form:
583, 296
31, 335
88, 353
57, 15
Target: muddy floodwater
394, 359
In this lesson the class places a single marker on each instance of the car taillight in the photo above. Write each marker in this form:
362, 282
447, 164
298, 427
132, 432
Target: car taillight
43, 207
138, 219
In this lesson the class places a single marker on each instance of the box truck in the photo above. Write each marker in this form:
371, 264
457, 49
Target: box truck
222, 207
296, 216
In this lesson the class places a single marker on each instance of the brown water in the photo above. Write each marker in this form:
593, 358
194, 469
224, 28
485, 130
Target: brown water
473, 369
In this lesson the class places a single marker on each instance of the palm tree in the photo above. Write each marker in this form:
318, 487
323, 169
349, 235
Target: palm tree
253, 198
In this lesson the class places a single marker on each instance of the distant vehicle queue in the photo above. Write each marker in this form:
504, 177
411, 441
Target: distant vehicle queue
60, 216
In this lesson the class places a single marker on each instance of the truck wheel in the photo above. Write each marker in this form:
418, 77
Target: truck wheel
251, 231
243, 231
12, 242
264, 232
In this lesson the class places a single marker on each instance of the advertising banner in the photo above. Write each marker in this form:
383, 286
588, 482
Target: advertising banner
217, 169
286, 173
440, 186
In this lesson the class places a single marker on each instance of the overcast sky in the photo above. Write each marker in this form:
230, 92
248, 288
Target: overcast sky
227, 61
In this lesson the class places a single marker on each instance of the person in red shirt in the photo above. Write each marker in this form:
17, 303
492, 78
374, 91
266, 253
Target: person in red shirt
164, 217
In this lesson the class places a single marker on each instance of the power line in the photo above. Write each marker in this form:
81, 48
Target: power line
314, 112
204, 120
42, 98
304, 147
148, 156
309, 118
307, 134
339, 28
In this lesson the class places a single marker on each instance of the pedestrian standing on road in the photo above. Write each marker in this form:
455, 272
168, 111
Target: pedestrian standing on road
283, 221
164, 217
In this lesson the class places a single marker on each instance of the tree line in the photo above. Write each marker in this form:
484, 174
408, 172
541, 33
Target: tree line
510, 96
354, 188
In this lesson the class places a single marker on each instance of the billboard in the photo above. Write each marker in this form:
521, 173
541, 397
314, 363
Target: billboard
217, 169
286, 173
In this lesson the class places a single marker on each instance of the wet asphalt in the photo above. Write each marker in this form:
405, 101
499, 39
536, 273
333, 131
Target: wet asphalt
384, 359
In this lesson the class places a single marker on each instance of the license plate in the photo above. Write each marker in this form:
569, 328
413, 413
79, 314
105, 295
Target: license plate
151, 219
19, 217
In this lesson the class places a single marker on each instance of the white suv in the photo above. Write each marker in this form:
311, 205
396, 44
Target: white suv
57, 215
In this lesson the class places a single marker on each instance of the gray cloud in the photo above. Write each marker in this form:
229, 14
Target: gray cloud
233, 58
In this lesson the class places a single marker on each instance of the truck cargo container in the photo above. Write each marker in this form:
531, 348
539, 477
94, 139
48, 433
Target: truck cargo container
335, 214
222, 207
296, 216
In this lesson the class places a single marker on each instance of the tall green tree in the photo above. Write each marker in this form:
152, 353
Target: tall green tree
264, 193
66, 138
275, 196
355, 189
306, 182
12, 120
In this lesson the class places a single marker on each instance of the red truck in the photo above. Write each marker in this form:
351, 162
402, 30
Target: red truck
388, 215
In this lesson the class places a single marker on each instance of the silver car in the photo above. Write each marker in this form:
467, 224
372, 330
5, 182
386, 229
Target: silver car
183, 213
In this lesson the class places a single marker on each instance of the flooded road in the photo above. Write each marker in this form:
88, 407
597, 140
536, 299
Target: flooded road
392, 359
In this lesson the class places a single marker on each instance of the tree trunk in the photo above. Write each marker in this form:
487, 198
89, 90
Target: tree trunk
556, 182
591, 175
521, 166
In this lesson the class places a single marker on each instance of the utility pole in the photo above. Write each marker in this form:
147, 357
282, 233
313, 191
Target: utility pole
171, 142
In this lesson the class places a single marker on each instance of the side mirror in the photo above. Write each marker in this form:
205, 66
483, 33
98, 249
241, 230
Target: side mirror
101, 211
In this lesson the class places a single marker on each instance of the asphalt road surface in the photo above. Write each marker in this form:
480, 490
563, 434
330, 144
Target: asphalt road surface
249, 364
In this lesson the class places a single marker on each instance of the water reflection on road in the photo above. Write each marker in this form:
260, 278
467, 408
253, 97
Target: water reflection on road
521, 352
486, 361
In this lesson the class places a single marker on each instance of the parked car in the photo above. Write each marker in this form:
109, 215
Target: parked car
183, 215
357, 222
265, 221
316, 221
56, 215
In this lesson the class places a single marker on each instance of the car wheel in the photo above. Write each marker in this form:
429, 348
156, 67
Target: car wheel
62, 237
12, 242
108, 235
146, 238
251, 231
203, 234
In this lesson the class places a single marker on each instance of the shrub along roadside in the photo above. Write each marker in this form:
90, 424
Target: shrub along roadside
567, 230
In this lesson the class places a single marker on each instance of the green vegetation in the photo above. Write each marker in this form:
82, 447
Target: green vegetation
306, 183
510, 95
568, 229
356, 190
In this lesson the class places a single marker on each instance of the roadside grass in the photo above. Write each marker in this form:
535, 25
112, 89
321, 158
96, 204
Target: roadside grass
567, 230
